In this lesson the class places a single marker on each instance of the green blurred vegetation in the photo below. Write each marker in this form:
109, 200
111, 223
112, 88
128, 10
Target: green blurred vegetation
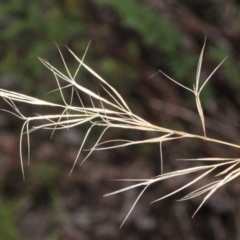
155, 32
8, 229
28, 31
39, 190
230, 66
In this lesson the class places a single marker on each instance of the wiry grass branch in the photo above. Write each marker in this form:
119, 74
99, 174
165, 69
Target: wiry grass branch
113, 112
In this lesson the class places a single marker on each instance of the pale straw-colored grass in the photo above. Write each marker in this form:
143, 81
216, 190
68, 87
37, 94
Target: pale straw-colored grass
114, 112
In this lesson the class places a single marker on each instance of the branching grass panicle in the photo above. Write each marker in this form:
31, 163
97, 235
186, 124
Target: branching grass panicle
114, 112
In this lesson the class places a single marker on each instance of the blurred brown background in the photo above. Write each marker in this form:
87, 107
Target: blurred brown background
130, 41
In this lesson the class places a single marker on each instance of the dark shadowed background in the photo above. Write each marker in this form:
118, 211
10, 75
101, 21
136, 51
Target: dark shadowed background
130, 41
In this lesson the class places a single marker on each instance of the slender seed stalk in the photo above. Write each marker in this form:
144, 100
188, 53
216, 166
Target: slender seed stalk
114, 112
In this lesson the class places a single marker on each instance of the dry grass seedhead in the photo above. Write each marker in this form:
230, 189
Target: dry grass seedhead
115, 113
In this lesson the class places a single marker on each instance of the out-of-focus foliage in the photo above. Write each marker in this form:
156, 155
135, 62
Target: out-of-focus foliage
8, 229
156, 32
153, 29
28, 30
230, 67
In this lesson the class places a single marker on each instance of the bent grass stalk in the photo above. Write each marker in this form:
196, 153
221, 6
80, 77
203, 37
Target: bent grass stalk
115, 113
